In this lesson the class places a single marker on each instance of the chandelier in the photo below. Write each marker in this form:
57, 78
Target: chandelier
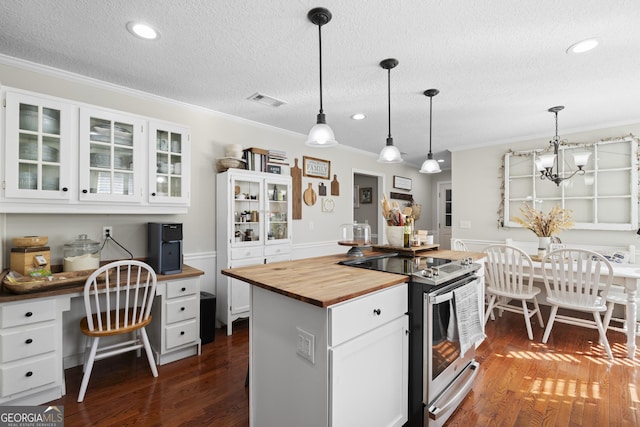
546, 162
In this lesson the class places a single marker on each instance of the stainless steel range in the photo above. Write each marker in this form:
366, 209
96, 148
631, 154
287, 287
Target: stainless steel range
440, 374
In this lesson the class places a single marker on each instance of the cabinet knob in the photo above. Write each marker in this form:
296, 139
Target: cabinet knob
28, 314
184, 289
28, 341
84, 191
65, 189
28, 374
182, 308
377, 311
153, 194
181, 332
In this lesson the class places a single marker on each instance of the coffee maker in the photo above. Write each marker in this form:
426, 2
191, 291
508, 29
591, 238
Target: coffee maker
164, 247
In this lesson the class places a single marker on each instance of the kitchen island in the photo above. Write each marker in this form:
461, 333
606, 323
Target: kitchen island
328, 343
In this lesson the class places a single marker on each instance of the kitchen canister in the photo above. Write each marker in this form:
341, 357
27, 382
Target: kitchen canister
81, 254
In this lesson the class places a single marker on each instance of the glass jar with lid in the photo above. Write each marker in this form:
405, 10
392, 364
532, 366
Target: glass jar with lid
81, 254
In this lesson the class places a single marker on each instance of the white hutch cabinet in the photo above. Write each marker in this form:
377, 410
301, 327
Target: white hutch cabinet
253, 226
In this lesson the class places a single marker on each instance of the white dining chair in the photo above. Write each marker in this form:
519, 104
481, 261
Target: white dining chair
577, 280
508, 277
118, 298
618, 295
458, 245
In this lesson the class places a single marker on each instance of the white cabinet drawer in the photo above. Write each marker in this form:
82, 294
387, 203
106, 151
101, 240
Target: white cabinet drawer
180, 288
26, 343
182, 333
277, 250
247, 252
182, 309
26, 313
357, 316
25, 376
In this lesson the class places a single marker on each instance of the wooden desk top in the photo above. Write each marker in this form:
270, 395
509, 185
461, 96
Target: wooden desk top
78, 286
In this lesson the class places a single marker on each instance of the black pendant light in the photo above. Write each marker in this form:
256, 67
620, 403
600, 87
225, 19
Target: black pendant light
546, 162
390, 153
321, 134
430, 165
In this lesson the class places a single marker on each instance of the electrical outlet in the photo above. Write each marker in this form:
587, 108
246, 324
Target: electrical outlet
305, 345
107, 231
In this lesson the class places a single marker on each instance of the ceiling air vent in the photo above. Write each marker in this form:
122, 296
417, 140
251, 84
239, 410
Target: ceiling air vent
266, 100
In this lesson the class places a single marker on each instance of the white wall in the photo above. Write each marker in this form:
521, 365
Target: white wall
477, 179
317, 232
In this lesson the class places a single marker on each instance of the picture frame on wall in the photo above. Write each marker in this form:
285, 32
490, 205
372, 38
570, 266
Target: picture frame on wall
316, 168
366, 195
402, 183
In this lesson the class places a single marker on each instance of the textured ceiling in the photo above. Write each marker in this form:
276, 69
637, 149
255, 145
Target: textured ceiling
499, 65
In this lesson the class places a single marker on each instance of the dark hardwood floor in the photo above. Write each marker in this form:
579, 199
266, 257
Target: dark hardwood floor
567, 382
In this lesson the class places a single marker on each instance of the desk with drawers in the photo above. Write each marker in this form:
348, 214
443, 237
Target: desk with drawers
40, 334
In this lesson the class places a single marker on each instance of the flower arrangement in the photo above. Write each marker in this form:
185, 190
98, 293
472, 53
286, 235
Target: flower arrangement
545, 225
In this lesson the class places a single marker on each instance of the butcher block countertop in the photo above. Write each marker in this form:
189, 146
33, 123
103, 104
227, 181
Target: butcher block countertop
322, 281
78, 287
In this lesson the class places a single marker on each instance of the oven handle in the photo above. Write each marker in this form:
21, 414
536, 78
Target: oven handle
435, 411
437, 299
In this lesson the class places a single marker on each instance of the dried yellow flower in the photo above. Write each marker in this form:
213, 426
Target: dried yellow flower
545, 225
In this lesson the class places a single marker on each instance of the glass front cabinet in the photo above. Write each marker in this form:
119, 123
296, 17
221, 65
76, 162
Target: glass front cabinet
253, 226
38, 151
60, 156
168, 148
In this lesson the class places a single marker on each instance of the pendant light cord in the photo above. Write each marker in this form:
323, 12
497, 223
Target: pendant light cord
320, 53
389, 98
430, 120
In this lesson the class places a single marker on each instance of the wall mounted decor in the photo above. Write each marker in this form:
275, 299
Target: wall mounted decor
322, 189
402, 183
366, 195
401, 196
296, 189
316, 168
335, 186
328, 204
310, 196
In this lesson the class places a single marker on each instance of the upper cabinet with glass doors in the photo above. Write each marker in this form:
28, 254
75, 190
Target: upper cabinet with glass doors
169, 148
38, 148
111, 154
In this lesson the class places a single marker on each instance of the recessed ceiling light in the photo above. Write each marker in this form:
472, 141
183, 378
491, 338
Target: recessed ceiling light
583, 46
144, 31
358, 116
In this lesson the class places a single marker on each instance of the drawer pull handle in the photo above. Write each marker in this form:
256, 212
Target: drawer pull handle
377, 311
182, 308
28, 374
181, 332
28, 341
183, 289
28, 314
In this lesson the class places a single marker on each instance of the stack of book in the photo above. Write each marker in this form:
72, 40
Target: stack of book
261, 160
277, 162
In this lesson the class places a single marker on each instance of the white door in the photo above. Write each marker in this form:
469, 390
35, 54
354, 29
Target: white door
445, 214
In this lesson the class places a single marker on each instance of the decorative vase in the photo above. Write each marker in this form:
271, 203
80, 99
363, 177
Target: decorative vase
543, 245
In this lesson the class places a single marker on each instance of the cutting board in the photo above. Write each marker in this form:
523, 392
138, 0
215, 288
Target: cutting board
296, 189
335, 186
310, 196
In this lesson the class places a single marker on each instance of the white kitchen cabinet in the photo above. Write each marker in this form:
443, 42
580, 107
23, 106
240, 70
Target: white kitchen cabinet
169, 153
31, 370
112, 148
253, 226
39, 153
343, 365
67, 157
175, 331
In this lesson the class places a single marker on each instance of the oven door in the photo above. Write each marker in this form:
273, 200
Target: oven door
442, 356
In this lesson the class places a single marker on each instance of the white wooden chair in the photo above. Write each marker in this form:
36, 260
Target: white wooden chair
118, 298
508, 276
617, 295
458, 245
577, 280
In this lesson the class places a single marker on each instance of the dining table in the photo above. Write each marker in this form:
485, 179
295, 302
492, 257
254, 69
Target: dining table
627, 275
